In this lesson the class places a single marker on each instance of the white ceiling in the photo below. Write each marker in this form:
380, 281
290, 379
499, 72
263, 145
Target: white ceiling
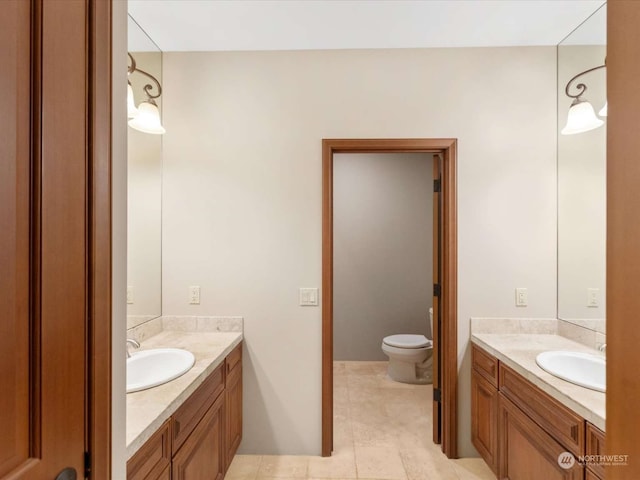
209, 25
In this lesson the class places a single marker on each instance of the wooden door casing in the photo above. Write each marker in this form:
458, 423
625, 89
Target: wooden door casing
447, 305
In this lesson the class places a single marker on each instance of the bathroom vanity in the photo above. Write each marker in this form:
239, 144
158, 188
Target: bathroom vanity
199, 416
524, 422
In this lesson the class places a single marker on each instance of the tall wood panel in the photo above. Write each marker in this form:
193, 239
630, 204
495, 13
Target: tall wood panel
623, 236
51, 189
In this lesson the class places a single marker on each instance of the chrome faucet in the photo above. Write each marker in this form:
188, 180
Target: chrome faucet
131, 341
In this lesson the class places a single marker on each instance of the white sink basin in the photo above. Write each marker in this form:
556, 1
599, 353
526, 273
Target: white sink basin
150, 368
583, 369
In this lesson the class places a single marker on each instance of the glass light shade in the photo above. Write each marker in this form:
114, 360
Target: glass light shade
603, 110
148, 119
581, 118
132, 111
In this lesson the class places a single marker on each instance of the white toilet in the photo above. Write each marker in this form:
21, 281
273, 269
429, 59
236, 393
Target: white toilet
410, 357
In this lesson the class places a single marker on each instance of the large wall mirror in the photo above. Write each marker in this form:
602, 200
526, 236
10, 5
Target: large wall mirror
582, 178
144, 202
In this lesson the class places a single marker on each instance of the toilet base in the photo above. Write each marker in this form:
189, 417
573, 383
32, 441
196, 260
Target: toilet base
409, 372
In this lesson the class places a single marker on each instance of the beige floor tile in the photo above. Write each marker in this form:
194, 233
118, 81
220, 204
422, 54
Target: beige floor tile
283, 466
340, 395
365, 394
339, 368
363, 380
427, 464
244, 467
473, 469
379, 463
359, 368
341, 464
340, 381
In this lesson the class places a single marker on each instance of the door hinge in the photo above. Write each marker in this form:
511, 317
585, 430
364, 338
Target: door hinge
437, 396
437, 186
87, 464
436, 290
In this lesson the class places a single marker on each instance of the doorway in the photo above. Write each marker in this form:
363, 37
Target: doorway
444, 299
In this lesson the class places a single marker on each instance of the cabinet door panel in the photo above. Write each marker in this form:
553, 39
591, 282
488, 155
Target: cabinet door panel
561, 422
595, 446
153, 458
233, 412
484, 419
202, 455
526, 452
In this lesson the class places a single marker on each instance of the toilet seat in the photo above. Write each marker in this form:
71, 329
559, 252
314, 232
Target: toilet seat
407, 341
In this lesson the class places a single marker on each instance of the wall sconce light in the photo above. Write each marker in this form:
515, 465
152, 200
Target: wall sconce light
145, 117
581, 116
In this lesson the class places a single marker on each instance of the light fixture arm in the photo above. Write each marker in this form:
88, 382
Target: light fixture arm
581, 86
132, 68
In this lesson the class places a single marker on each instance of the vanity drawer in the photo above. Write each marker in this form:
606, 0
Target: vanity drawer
154, 458
595, 446
185, 419
485, 364
234, 358
560, 422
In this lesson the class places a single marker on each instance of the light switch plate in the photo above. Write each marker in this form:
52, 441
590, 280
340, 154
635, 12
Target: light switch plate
129, 295
521, 297
308, 297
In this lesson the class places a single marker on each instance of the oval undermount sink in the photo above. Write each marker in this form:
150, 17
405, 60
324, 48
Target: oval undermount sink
150, 368
584, 369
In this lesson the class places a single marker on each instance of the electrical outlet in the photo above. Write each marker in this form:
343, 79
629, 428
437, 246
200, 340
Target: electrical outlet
592, 297
194, 295
129, 295
521, 297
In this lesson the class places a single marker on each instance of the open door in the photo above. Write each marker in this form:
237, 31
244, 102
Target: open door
437, 286
52, 280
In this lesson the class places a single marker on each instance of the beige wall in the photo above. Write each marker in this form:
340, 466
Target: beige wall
382, 250
242, 196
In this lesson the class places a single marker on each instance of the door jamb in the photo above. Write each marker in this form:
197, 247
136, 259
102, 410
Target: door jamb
99, 194
447, 147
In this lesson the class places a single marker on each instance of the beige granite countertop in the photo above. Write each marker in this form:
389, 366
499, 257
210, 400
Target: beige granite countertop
519, 352
148, 409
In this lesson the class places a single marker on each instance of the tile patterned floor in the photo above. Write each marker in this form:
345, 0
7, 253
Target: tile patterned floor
382, 431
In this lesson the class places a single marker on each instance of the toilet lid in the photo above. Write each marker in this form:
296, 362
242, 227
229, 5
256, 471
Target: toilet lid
407, 341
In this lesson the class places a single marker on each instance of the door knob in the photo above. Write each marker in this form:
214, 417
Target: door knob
67, 474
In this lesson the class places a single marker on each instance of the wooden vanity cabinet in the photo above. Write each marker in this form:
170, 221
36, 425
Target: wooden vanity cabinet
484, 406
520, 430
233, 404
200, 439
